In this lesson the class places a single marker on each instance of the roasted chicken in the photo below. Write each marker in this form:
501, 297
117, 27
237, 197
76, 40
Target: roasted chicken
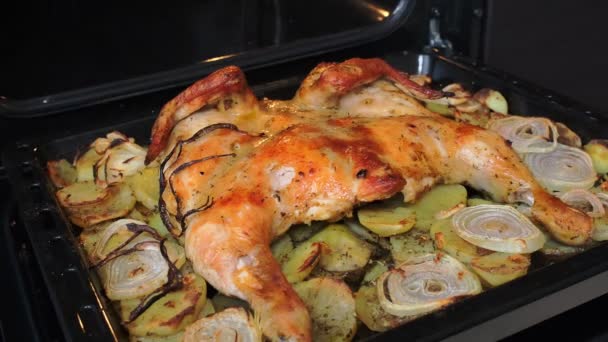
237, 172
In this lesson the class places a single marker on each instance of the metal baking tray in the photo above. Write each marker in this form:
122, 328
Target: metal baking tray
76, 296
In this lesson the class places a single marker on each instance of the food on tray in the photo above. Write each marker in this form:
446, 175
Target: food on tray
365, 201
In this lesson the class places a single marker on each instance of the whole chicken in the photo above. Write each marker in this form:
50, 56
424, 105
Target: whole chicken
237, 172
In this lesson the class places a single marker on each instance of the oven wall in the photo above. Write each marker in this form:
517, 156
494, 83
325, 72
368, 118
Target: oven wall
557, 44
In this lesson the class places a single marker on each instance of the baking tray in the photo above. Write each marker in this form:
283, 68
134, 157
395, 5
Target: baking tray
75, 293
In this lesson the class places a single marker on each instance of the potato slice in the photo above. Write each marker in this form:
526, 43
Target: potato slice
375, 270
598, 151
567, 136
499, 268
82, 193
156, 222
387, 221
480, 119
119, 202
471, 202
301, 261
492, 99
61, 172
146, 187
208, 309
557, 249
414, 242
371, 313
171, 313
179, 337
439, 200
301, 232
281, 248
440, 108
222, 302
446, 239
332, 308
176, 253
344, 252
85, 164
90, 237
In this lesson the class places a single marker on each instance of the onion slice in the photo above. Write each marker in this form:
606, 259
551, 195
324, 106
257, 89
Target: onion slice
121, 158
499, 228
232, 324
136, 264
425, 283
562, 169
135, 274
584, 200
101, 251
527, 134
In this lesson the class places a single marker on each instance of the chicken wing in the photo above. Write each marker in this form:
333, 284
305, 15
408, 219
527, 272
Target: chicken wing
238, 174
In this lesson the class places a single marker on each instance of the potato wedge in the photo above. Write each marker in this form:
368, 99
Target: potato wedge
414, 242
61, 172
499, 268
371, 313
344, 251
387, 221
171, 313
85, 164
332, 308
437, 201
117, 203
446, 239
146, 186
301, 261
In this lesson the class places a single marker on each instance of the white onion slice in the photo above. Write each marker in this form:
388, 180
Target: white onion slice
118, 162
135, 274
562, 169
603, 198
527, 134
99, 253
425, 283
499, 228
584, 200
232, 324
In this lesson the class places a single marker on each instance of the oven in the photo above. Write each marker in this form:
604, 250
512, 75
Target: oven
84, 69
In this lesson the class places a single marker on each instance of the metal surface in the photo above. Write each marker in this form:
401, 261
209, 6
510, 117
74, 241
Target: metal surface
99, 54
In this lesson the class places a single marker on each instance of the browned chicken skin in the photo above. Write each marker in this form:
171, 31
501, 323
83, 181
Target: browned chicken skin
237, 173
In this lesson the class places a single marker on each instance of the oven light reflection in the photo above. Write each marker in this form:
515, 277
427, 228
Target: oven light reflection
218, 58
380, 12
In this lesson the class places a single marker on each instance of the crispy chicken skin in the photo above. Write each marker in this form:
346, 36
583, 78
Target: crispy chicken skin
237, 172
